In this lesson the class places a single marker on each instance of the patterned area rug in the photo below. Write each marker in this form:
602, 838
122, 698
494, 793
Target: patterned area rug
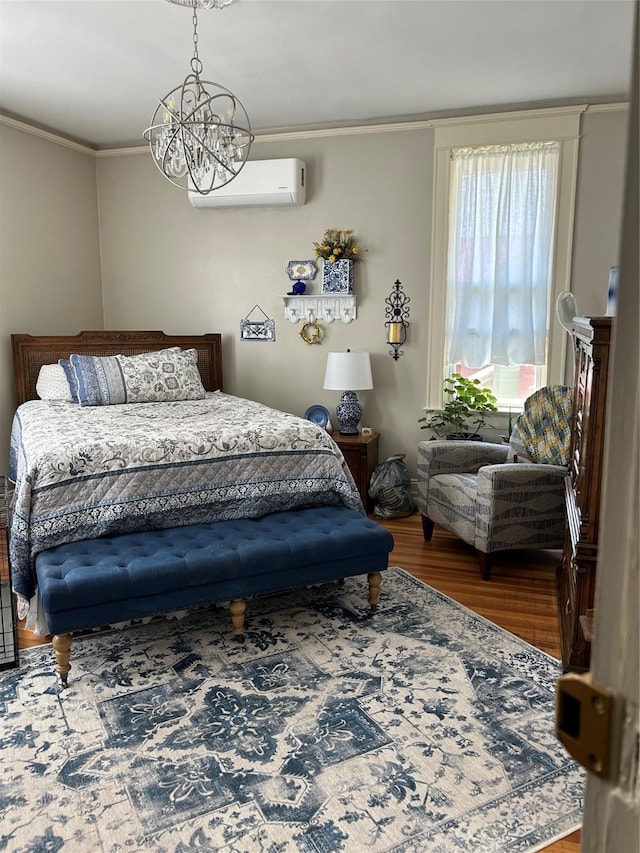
425, 728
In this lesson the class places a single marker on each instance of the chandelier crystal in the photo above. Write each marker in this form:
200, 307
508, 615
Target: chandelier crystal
203, 4
200, 135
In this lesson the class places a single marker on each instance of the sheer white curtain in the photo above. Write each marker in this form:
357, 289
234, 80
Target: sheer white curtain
500, 257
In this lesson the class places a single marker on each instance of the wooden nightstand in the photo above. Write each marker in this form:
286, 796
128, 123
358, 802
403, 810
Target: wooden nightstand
361, 455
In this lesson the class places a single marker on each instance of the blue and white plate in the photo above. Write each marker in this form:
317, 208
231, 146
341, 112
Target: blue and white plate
301, 270
318, 415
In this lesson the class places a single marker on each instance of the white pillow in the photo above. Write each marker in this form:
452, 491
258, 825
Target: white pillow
52, 383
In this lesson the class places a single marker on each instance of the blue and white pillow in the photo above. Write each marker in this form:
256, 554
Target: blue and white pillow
153, 377
70, 373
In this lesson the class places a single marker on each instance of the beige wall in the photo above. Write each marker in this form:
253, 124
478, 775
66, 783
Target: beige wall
599, 196
49, 249
204, 270
165, 265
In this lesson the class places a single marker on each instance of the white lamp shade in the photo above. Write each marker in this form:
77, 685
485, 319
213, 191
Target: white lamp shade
348, 371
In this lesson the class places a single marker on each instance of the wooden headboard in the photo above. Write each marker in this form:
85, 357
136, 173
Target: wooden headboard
30, 352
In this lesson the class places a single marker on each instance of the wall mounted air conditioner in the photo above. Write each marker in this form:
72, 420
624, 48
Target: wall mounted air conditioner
259, 183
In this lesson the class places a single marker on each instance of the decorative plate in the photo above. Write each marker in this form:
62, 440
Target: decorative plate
301, 270
318, 415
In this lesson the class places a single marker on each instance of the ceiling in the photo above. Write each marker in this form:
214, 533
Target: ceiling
92, 70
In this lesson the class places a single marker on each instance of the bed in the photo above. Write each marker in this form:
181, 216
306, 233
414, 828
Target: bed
193, 460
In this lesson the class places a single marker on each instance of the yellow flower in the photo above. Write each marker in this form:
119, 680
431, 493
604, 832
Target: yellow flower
338, 243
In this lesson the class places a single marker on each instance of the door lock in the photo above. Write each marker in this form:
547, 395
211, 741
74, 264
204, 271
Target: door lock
583, 721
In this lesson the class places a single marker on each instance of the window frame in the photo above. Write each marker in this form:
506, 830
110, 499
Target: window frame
561, 124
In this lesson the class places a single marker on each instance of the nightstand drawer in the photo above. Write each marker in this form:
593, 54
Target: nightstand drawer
361, 455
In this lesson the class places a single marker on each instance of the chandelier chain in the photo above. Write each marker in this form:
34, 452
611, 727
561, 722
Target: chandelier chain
196, 63
194, 20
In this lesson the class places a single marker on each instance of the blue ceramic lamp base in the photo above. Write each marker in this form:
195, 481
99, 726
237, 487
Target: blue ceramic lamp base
348, 413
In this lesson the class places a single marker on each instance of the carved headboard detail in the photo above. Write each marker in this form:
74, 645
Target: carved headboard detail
30, 352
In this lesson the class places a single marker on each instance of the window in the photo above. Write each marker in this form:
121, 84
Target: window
501, 247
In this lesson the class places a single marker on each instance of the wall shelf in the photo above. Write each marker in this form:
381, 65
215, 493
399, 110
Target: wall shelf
326, 306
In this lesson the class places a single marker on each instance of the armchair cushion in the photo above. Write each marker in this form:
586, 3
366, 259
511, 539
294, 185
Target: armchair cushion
519, 506
441, 456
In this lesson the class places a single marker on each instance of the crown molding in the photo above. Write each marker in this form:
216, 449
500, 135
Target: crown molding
46, 134
287, 135
320, 133
618, 106
511, 115
121, 152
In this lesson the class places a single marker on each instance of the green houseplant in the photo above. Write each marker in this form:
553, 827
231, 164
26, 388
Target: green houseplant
465, 410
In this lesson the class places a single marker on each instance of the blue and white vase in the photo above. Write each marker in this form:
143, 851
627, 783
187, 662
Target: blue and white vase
337, 277
348, 413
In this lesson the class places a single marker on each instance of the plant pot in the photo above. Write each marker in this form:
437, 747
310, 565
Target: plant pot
464, 436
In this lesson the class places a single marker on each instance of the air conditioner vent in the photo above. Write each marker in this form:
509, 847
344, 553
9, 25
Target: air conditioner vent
260, 183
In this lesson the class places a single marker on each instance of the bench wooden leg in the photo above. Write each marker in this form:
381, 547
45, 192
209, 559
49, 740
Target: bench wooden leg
237, 608
62, 647
375, 579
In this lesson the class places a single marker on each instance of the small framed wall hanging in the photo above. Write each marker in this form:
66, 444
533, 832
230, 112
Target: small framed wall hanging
257, 330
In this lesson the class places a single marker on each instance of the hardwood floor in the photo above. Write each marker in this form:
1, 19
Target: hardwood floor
520, 597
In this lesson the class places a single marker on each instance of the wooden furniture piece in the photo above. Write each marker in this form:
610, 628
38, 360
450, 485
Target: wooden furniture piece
484, 494
8, 622
112, 579
135, 573
577, 572
30, 352
361, 455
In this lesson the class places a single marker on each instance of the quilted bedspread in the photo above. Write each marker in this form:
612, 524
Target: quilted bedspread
84, 472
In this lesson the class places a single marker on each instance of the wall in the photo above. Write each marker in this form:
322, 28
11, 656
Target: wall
599, 195
204, 270
193, 270
168, 266
49, 249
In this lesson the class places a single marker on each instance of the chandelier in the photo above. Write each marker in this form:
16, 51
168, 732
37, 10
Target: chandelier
200, 135
203, 4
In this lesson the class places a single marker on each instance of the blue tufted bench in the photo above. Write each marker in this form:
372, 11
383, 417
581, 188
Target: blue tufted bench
97, 582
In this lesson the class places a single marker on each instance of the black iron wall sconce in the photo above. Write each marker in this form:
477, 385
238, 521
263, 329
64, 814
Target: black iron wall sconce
397, 314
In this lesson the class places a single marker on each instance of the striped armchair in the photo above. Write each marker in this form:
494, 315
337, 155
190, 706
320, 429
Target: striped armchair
497, 497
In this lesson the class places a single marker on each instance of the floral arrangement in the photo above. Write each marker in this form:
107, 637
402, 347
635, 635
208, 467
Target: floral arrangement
338, 244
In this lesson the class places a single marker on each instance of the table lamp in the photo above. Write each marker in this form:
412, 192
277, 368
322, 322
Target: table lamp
348, 372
